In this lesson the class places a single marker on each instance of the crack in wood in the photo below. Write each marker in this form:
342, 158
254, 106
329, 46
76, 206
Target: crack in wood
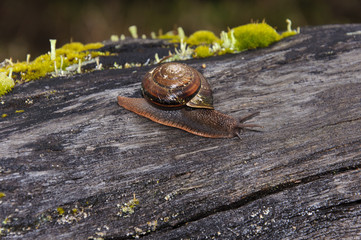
254, 197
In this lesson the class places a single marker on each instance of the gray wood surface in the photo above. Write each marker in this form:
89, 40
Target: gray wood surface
74, 149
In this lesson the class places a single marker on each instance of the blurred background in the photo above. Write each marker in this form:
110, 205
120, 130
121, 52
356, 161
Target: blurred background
27, 26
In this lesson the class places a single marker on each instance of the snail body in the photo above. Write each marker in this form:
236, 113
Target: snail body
179, 96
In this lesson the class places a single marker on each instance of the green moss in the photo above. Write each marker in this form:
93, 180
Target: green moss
288, 34
249, 36
202, 37
74, 211
225, 51
170, 37
60, 210
206, 43
254, 35
128, 207
202, 52
6, 84
65, 56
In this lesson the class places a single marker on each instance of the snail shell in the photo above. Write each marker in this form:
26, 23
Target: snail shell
179, 96
176, 85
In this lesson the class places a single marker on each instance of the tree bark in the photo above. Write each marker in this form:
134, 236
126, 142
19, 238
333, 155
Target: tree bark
75, 165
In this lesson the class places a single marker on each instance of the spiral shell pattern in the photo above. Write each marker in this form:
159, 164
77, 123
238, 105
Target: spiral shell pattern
176, 85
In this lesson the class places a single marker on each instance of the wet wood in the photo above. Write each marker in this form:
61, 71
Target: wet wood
74, 165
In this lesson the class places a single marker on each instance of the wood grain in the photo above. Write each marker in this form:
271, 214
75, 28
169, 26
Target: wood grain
74, 149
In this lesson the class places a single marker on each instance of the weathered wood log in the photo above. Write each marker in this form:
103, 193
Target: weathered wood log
74, 165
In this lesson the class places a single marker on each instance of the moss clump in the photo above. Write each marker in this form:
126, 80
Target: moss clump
202, 37
65, 56
2, 195
254, 35
6, 84
60, 210
202, 52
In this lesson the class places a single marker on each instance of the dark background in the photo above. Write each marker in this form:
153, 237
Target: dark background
27, 26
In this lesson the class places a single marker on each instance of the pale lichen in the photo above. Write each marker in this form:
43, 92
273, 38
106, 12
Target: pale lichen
127, 208
57, 61
133, 31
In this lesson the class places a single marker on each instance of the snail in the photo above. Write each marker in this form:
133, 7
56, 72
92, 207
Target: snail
177, 95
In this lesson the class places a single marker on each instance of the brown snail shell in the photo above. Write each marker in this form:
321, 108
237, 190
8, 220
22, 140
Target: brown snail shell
179, 96
176, 85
